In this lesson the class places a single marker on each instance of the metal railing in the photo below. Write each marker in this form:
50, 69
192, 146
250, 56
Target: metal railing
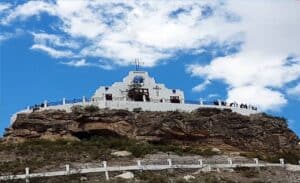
78, 100
199, 164
55, 103
73, 101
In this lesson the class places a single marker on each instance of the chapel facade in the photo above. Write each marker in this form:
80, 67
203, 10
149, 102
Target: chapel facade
138, 86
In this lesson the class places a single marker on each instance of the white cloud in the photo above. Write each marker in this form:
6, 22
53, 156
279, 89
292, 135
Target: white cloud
4, 7
9, 35
261, 67
84, 63
5, 36
77, 63
213, 95
201, 86
28, 9
121, 30
54, 40
52, 52
264, 98
295, 91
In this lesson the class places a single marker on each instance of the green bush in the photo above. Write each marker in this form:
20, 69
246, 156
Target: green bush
288, 156
247, 172
91, 108
181, 180
137, 110
211, 179
151, 177
140, 150
77, 109
39, 153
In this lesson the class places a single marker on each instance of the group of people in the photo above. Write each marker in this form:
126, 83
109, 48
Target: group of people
234, 104
243, 106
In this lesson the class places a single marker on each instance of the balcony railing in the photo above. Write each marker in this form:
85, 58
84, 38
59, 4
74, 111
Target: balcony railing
79, 100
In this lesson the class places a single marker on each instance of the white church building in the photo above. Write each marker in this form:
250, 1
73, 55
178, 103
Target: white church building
138, 86
140, 91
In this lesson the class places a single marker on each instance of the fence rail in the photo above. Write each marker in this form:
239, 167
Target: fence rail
72, 101
139, 166
200, 103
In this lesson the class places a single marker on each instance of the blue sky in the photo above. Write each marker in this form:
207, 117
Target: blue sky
210, 49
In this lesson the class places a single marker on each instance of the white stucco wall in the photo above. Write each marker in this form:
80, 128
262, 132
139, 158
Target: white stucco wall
119, 89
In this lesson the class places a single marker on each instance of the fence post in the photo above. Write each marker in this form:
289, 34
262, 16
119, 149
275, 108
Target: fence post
105, 168
139, 164
64, 101
45, 104
67, 168
201, 162
170, 162
255, 160
229, 161
281, 160
209, 168
27, 174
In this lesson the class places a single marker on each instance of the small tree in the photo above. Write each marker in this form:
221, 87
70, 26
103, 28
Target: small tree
137, 110
77, 109
91, 108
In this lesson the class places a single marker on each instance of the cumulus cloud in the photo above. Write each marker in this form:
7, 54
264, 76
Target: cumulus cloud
263, 65
4, 7
119, 31
213, 95
51, 51
29, 9
5, 36
123, 30
255, 95
201, 86
77, 63
84, 63
54, 40
295, 91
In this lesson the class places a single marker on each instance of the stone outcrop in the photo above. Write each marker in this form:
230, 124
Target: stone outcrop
204, 126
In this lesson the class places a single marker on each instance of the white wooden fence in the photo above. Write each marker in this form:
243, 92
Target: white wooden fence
139, 166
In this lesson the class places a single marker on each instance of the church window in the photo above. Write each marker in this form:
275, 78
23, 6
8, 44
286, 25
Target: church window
174, 91
106, 88
174, 99
108, 96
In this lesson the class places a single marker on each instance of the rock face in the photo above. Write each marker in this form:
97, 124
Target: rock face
204, 126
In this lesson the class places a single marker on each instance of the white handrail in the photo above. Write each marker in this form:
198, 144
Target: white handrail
105, 168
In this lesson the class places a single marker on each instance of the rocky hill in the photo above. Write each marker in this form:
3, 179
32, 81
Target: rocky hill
47, 140
207, 127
